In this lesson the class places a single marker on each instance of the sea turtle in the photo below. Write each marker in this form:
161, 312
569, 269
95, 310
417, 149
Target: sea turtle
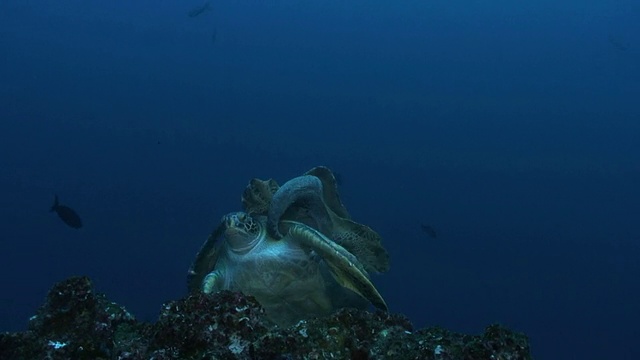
301, 274
313, 199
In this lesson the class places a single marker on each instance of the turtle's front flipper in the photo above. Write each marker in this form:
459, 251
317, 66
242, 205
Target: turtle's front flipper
306, 191
212, 282
344, 266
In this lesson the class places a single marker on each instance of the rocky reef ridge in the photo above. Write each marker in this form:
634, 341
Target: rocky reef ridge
75, 322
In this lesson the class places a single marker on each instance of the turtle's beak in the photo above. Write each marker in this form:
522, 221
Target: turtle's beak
237, 232
229, 221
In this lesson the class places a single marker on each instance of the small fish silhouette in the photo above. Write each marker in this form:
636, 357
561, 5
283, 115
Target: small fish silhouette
429, 230
618, 44
198, 10
67, 214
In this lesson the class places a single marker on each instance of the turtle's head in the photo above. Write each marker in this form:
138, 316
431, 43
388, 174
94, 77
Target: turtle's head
242, 231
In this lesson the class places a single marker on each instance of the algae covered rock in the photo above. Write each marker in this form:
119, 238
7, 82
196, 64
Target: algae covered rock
77, 323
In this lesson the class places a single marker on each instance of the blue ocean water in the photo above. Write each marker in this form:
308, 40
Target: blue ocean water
510, 127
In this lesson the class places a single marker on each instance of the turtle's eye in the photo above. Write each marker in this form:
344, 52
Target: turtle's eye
242, 216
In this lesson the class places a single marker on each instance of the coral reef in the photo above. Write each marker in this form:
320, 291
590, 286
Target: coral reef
77, 323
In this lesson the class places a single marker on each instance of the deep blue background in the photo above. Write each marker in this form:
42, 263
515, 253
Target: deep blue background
511, 127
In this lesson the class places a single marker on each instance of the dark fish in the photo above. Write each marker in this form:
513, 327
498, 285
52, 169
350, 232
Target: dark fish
67, 214
429, 230
199, 10
618, 44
